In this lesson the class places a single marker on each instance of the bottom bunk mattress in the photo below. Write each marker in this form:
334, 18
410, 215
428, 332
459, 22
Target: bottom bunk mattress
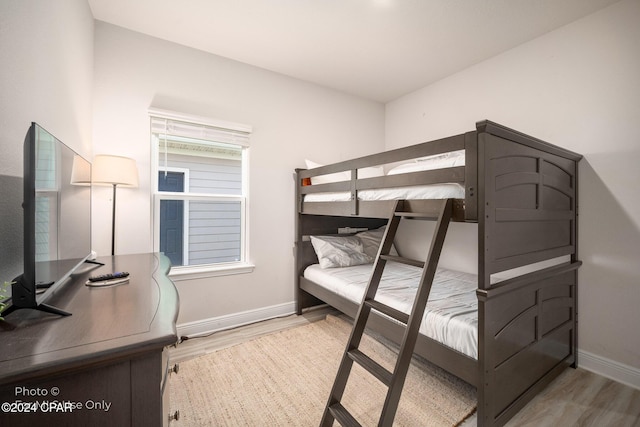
451, 316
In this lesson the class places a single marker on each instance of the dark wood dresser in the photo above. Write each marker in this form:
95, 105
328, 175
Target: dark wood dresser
106, 364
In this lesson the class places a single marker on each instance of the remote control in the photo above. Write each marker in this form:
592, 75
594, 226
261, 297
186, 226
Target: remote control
103, 277
107, 283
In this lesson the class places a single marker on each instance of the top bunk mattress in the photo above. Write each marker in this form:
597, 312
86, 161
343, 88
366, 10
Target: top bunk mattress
451, 315
421, 192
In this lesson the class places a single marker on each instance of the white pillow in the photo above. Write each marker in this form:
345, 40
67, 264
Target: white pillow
336, 251
437, 161
371, 240
326, 179
369, 172
451, 156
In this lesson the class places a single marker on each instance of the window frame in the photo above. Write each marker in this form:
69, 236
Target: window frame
189, 272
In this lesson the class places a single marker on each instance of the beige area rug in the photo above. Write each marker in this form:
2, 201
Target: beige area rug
284, 379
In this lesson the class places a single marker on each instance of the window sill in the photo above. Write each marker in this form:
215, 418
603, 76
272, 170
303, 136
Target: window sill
178, 274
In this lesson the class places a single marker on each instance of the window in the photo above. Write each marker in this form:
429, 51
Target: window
200, 193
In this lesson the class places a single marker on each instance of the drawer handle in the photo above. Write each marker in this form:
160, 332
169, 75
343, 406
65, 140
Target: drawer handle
175, 416
174, 369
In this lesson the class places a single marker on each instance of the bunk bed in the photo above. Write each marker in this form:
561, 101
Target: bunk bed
522, 193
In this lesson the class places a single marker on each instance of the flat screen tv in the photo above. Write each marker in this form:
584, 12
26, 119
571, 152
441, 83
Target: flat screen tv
57, 219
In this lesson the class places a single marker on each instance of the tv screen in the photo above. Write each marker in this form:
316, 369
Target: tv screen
57, 218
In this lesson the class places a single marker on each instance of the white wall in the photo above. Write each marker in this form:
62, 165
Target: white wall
46, 71
292, 120
577, 87
46, 52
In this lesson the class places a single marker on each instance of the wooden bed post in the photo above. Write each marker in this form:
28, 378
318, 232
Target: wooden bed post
484, 372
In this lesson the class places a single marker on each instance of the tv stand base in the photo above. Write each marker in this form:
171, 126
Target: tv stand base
40, 307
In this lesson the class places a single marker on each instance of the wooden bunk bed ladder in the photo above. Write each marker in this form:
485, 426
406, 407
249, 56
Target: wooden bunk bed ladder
394, 381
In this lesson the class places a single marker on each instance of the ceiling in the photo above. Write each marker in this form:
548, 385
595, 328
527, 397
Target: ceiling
375, 49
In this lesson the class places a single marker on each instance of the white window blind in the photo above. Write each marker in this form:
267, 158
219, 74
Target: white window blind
207, 130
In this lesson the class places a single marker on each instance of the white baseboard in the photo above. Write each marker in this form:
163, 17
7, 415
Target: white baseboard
215, 324
608, 368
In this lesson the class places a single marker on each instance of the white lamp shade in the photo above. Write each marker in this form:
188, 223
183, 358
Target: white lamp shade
109, 170
80, 171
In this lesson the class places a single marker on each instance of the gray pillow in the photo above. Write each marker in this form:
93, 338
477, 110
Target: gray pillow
337, 251
371, 240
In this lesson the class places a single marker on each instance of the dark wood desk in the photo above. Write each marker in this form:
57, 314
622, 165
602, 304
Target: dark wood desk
106, 364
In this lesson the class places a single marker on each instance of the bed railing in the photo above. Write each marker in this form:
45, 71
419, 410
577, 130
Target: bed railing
354, 184
424, 149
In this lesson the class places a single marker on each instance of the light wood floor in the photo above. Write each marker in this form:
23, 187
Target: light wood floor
576, 398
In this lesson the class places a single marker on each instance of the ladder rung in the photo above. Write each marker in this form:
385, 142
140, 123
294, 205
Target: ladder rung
389, 311
418, 215
372, 366
343, 416
403, 260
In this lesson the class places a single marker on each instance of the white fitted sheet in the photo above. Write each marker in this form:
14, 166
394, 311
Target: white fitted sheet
451, 316
420, 192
